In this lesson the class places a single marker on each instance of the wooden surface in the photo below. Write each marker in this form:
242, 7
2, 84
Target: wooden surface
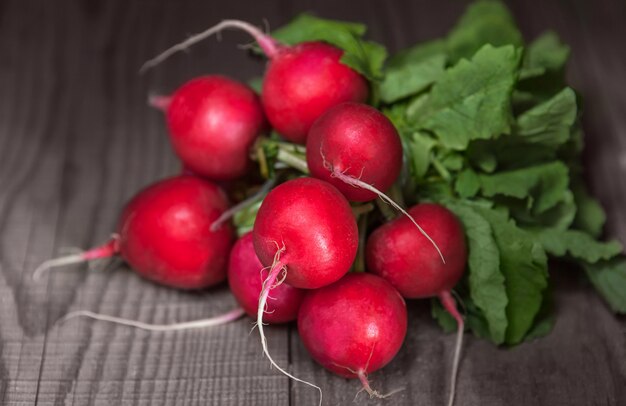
77, 140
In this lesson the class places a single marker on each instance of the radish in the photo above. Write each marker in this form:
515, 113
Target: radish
354, 326
164, 235
306, 233
395, 252
354, 141
301, 81
357, 149
246, 282
213, 121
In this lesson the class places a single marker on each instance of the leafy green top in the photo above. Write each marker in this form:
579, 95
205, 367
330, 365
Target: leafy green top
490, 129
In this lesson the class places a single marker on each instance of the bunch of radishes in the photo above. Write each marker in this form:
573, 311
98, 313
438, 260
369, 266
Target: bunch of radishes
298, 261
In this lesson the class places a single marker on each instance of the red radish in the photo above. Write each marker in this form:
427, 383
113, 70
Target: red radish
301, 81
164, 235
357, 149
306, 232
310, 225
246, 282
213, 121
395, 252
354, 326
354, 140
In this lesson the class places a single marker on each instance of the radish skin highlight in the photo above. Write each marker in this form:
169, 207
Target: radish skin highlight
188, 325
397, 254
213, 122
301, 81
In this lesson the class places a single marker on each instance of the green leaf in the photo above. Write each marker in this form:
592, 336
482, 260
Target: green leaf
545, 319
560, 216
486, 282
418, 151
524, 264
542, 186
590, 216
472, 99
484, 22
474, 319
411, 78
550, 122
365, 57
244, 219
452, 160
256, 84
467, 184
417, 53
543, 71
445, 320
609, 278
576, 244
546, 53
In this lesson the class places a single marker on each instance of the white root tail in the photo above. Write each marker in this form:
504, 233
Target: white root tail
55, 262
271, 282
373, 393
267, 43
450, 305
210, 322
351, 180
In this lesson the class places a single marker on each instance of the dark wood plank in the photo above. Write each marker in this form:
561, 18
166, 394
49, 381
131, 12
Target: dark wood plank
76, 140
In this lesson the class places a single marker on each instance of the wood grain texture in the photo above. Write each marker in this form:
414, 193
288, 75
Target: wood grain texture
77, 140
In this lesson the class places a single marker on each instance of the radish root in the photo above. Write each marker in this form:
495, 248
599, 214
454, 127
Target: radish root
210, 322
109, 249
269, 46
373, 393
352, 181
271, 282
159, 102
450, 305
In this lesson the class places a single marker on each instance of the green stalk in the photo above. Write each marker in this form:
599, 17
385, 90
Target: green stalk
292, 160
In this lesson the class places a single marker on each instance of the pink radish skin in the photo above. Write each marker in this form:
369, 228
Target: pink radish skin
213, 121
304, 81
301, 81
164, 235
358, 141
246, 282
310, 224
306, 233
358, 150
404, 258
354, 326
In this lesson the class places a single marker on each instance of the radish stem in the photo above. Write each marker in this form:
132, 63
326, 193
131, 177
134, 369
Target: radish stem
243, 204
269, 46
450, 305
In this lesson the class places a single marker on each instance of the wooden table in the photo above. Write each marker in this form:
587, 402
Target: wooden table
77, 139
